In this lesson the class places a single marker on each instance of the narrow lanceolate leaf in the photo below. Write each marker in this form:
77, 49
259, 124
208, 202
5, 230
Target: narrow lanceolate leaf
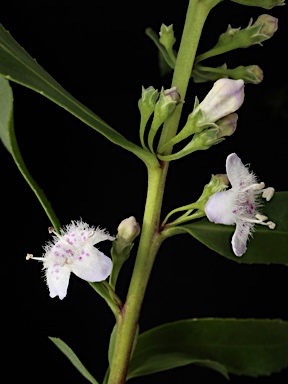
7, 135
73, 358
242, 347
265, 247
18, 66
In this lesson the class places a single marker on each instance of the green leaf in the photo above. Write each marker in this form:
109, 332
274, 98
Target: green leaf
18, 66
266, 247
243, 347
7, 135
73, 358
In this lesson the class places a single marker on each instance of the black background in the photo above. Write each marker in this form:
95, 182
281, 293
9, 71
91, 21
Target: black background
99, 52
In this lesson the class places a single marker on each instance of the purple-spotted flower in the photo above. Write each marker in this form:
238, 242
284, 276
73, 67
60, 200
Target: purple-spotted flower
240, 204
74, 251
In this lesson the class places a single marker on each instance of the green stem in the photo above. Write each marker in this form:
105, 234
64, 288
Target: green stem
150, 242
197, 13
151, 238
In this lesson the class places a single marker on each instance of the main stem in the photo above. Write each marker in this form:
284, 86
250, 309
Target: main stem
151, 239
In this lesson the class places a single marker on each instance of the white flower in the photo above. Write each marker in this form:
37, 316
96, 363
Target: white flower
74, 251
240, 204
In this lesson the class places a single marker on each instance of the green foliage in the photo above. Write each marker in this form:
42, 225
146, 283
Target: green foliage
73, 358
7, 135
243, 347
16, 65
267, 246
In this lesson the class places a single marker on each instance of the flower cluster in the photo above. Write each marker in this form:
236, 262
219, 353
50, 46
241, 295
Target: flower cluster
239, 205
74, 251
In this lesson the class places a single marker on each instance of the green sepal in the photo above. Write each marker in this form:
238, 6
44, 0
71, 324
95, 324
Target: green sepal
7, 135
68, 352
167, 39
268, 246
200, 142
247, 347
164, 107
250, 74
146, 107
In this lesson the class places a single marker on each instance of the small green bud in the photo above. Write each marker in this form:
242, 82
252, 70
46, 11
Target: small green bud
165, 106
214, 135
267, 4
255, 33
269, 25
205, 139
250, 74
168, 100
147, 102
167, 38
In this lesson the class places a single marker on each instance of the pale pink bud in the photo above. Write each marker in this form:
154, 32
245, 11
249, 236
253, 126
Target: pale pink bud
225, 97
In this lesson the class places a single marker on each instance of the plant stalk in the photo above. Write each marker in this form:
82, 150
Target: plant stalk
151, 237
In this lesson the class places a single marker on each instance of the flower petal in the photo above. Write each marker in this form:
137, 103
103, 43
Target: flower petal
92, 265
240, 237
238, 175
57, 278
100, 235
220, 206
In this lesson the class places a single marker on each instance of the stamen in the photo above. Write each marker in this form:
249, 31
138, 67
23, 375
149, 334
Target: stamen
268, 193
52, 230
255, 187
30, 256
261, 217
269, 224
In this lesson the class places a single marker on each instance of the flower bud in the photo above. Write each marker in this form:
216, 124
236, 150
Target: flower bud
250, 74
128, 230
225, 97
167, 37
269, 25
267, 4
214, 135
166, 104
147, 102
227, 125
